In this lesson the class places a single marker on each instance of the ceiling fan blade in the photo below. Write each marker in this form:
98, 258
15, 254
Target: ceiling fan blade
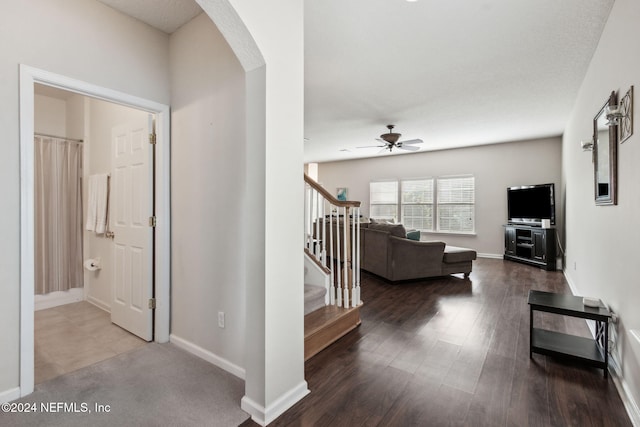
412, 141
371, 146
383, 150
409, 148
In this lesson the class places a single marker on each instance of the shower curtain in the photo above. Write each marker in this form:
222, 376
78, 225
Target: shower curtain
58, 214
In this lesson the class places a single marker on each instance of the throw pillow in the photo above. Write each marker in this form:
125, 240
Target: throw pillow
413, 235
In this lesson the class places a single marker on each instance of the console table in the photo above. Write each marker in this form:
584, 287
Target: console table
585, 350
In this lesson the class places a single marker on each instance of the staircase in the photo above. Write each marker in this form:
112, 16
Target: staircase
332, 267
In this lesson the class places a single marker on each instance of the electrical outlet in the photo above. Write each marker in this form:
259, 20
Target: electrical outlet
221, 319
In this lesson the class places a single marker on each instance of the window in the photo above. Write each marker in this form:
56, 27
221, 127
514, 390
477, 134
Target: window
383, 200
445, 204
456, 204
417, 204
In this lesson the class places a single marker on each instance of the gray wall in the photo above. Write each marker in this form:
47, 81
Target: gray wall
208, 169
495, 168
602, 241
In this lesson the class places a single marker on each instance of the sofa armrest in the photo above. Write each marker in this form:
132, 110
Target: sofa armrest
410, 259
374, 252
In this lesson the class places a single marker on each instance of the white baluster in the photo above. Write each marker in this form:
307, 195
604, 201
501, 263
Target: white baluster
307, 191
335, 268
357, 265
338, 262
323, 237
354, 264
323, 234
345, 265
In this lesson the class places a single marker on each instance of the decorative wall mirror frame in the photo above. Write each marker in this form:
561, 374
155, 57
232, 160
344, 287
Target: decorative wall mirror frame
605, 155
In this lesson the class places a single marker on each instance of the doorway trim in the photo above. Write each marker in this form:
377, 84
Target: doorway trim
162, 251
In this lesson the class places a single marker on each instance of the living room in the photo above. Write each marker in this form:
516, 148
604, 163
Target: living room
592, 238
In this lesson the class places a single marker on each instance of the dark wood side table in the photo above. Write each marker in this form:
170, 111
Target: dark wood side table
584, 350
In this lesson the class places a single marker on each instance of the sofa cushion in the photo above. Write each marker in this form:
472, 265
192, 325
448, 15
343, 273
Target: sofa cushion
413, 235
397, 230
454, 254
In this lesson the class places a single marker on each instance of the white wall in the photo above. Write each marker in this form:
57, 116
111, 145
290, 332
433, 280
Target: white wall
75, 116
208, 192
602, 241
495, 168
50, 116
82, 39
102, 117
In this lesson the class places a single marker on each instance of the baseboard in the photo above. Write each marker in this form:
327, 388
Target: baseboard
633, 410
54, 299
9, 395
100, 304
210, 357
572, 285
627, 399
491, 256
264, 416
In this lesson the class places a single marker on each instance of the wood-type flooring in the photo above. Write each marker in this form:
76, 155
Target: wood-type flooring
454, 352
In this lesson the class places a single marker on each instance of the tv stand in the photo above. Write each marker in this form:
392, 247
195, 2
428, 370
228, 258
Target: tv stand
530, 245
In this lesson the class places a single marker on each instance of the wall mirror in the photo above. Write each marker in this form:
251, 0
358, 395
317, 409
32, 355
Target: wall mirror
605, 155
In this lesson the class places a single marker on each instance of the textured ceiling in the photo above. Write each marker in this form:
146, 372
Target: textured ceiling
454, 73
165, 15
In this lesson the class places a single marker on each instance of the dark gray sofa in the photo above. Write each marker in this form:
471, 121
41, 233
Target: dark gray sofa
386, 252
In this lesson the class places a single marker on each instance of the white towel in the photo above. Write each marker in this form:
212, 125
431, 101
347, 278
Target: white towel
98, 203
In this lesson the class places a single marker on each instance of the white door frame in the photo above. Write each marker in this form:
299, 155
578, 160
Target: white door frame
28, 77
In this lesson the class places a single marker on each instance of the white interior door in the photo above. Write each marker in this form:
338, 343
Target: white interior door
131, 208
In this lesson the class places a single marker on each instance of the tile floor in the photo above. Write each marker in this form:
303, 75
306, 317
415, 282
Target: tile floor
72, 336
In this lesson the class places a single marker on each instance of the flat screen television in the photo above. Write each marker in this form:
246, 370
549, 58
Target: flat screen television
530, 204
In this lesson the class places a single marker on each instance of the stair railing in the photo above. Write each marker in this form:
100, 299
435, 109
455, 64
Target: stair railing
332, 237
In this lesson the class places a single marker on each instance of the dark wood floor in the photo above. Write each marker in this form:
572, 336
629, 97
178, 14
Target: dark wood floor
451, 351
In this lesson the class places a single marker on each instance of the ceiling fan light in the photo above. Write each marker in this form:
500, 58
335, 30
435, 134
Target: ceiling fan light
391, 137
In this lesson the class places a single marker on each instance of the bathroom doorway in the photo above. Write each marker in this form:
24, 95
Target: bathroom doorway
100, 289
81, 294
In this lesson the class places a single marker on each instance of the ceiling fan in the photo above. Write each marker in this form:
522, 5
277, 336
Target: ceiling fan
390, 140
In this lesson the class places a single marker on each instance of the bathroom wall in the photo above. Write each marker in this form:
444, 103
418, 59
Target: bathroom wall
50, 115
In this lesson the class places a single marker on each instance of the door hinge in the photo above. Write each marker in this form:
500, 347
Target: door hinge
152, 138
152, 303
152, 221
